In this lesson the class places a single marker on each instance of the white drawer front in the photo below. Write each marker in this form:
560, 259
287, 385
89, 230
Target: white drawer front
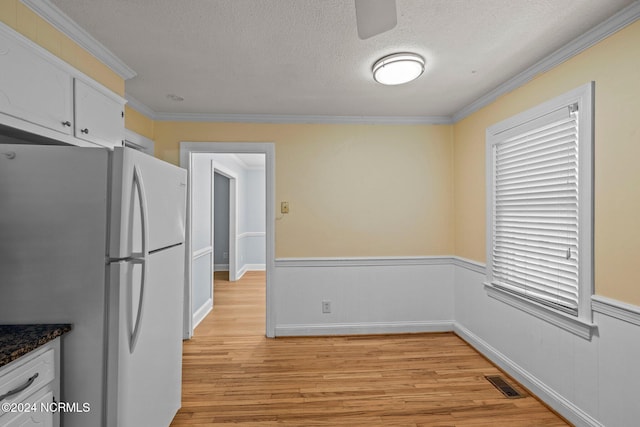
35, 418
28, 377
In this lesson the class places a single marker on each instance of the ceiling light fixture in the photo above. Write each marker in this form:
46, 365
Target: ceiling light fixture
398, 68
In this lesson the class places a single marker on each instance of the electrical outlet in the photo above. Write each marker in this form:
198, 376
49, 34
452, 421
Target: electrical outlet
326, 307
284, 207
225, 255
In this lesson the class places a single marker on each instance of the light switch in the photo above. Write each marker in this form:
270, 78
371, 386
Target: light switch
284, 207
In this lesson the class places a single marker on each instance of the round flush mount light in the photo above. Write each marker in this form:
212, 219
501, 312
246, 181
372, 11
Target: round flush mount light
398, 68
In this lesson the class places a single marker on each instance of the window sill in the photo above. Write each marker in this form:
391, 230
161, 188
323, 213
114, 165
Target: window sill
575, 325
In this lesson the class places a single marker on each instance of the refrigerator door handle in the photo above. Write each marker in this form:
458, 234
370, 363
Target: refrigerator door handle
144, 213
140, 258
135, 330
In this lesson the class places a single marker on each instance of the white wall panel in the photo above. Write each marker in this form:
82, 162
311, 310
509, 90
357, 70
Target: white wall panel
256, 200
202, 191
202, 295
381, 296
619, 371
590, 382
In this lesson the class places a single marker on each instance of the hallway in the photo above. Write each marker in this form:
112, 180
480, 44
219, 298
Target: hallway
238, 308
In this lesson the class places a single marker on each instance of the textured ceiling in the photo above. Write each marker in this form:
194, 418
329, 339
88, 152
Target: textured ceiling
304, 57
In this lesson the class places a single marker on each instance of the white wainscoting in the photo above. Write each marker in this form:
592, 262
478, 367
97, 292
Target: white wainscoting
200, 314
589, 382
367, 295
251, 252
616, 309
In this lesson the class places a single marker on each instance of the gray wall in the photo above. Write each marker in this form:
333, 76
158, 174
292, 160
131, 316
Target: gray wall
221, 220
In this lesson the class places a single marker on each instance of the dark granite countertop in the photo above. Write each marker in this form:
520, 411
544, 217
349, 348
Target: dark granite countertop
18, 340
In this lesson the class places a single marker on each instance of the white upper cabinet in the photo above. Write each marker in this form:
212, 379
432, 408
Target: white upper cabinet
45, 96
99, 118
34, 90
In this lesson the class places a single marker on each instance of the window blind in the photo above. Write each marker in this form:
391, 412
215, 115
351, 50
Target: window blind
535, 210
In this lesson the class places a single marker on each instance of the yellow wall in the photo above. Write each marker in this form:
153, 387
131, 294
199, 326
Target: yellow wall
26, 22
138, 122
359, 190
614, 64
353, 190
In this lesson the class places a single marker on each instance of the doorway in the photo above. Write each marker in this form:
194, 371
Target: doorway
221, 224
189, 152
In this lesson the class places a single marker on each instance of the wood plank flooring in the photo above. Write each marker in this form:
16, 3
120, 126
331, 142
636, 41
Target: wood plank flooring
233, 375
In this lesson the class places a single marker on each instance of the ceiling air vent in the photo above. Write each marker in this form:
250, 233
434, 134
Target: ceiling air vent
504, 387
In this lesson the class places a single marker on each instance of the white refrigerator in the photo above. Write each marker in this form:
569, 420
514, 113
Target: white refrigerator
95, 238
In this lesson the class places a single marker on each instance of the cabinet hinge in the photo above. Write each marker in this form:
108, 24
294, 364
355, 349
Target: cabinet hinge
122, 114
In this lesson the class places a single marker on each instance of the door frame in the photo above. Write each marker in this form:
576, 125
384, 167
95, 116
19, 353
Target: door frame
268, 149
192, 316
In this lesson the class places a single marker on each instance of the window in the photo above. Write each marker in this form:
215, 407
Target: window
540, 204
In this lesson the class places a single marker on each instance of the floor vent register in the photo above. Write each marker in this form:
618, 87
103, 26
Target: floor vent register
505, 388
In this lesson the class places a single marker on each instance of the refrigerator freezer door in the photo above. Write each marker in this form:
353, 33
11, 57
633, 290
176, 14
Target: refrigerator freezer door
163, 186
144, 382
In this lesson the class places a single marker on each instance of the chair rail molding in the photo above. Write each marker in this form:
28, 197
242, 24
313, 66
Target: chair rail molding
617, 309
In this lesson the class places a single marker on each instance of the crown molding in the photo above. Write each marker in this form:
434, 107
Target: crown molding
140, 107
304, 119
598, 33
59, 20
245, 165
284, 119
54, 16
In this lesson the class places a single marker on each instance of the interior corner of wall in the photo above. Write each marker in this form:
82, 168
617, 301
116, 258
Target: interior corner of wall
138, 122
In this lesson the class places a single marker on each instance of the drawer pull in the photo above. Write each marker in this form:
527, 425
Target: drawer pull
21, 388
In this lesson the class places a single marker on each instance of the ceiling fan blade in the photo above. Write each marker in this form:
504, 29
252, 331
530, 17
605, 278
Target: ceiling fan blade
375, 16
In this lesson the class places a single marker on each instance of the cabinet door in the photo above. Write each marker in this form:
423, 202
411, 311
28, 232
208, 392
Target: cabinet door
38, 416
33, 89
99, 118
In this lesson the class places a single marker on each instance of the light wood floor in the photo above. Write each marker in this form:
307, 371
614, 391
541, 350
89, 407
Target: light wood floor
233, 375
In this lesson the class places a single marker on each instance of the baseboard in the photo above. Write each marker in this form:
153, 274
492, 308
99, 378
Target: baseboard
556, 401
202, 312
368, 328
221, 267
250, 267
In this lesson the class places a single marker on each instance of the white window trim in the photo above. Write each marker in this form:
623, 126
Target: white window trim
582, 324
